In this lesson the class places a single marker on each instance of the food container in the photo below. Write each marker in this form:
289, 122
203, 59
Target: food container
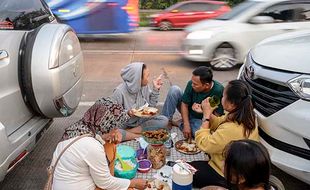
141, 154
144, 166
182, 179
155, 135
118, 171
157, 155
128, 154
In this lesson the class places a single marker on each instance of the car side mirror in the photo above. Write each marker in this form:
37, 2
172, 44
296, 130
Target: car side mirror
261, 20
174, 11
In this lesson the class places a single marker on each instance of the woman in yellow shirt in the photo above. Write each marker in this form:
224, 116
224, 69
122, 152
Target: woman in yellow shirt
216, 132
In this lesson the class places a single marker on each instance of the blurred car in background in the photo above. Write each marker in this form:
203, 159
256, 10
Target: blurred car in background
93, 18
185, 13
278, 71
225, 41
41, 69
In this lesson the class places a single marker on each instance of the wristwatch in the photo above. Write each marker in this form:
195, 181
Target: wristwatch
205, 119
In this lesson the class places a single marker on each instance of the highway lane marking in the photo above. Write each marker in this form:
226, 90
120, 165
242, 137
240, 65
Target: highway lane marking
130, 52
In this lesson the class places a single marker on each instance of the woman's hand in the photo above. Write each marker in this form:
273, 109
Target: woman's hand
206, 108
157, 83
114, 136
138, 183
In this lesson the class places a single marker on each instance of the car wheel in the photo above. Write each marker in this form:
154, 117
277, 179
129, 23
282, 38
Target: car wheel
275, 183
165, 25
224, 58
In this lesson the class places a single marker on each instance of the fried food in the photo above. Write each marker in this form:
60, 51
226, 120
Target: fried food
185, 146
157, 185
156, 135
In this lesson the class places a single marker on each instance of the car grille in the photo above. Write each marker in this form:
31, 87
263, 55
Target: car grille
268, 97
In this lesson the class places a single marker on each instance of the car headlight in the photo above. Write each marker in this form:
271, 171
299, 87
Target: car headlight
301, 86
247, 68
199, 35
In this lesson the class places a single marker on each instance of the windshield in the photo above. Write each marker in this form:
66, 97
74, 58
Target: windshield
23, 14
237, 10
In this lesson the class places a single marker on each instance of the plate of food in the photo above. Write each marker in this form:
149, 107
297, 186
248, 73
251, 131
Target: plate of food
157, 184
145, 112
187, 147
155, 135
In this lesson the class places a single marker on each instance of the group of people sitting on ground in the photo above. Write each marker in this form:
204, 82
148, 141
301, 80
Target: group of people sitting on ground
237, 160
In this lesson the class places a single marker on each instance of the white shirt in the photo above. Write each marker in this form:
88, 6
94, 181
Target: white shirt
84, 166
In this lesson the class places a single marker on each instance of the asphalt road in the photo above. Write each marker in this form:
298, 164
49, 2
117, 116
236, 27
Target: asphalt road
104, 59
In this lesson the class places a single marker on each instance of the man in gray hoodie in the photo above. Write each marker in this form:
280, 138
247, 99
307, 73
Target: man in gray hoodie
135, 92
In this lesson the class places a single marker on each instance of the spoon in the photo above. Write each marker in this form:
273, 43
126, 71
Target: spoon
124, 165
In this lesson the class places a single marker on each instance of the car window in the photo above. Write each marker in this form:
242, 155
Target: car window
237, 10
23, 14
186, 7
192, 7
288, 12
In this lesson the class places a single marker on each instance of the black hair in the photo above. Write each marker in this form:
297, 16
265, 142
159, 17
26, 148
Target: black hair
240, 94
247, 160
143, 68
205, 74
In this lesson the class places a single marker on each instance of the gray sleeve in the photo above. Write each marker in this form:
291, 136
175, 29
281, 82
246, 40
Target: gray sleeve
153, 97
118, 97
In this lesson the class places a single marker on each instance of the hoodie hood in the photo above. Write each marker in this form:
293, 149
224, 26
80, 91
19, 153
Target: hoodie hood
131, 75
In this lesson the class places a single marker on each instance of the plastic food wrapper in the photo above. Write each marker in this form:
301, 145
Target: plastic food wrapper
142, 142
164, 174
186, 166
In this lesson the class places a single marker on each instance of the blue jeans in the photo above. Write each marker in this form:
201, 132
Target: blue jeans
173, 102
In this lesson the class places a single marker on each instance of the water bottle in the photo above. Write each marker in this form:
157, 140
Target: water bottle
168, 145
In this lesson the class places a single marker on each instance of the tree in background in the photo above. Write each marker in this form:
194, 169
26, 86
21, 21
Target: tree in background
162, 4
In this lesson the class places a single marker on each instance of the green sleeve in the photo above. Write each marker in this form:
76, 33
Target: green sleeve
187, 95
219, 93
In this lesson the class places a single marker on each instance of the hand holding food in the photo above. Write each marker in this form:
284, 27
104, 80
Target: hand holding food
157, 83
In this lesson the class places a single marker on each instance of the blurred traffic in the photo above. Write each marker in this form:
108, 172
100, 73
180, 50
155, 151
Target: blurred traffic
185, 13
225, 41
94, 18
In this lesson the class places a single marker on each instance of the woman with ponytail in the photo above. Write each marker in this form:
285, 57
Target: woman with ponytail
216, 132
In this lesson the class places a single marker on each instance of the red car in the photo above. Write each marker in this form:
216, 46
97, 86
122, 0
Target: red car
187, 12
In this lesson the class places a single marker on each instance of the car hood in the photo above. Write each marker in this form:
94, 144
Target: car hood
209, 24
289, 52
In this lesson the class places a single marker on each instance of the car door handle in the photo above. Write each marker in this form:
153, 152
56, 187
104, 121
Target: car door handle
3, 54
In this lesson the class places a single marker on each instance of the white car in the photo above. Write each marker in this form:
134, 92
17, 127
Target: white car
278, 71
225, 41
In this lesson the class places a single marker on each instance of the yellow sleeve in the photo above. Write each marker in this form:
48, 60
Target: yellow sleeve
216, 121
215, 142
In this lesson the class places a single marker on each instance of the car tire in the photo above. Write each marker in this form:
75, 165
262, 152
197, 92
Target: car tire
24, 70
224, 58
165, 25
275, 183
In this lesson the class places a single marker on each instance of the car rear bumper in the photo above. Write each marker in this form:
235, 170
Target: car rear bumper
24, 139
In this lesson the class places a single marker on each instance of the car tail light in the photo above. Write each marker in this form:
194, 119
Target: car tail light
19, 158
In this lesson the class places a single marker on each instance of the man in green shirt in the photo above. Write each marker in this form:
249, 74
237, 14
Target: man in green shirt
197, 89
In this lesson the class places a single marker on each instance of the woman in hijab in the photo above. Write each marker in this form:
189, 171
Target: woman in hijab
85, 164
135, 92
